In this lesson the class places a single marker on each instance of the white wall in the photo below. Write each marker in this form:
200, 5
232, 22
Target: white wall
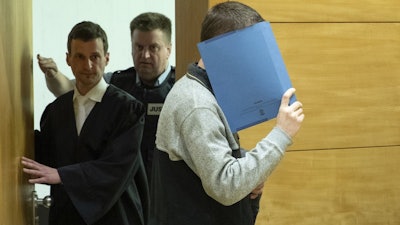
52, 21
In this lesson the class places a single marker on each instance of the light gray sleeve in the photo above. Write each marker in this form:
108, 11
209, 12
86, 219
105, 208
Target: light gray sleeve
225, 178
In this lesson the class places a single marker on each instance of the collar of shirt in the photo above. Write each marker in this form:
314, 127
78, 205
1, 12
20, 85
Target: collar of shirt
96, 93
83, 104
161, 78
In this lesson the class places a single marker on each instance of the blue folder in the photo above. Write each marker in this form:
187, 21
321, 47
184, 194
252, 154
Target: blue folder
247, 74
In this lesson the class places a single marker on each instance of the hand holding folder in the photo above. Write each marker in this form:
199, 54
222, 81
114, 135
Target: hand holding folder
247, 74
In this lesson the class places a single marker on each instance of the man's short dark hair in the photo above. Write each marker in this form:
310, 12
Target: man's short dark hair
87, 31
228, 16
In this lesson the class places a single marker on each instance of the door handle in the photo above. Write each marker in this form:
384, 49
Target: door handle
46, 202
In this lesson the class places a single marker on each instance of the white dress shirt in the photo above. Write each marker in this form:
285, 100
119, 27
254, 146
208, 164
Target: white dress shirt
83, 104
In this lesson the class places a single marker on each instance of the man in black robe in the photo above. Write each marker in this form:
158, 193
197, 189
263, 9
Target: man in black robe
88, 146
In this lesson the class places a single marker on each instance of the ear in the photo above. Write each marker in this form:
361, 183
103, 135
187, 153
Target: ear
169, 47
107, 56
67, 58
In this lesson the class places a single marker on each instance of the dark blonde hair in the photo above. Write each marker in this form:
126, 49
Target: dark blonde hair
150, 21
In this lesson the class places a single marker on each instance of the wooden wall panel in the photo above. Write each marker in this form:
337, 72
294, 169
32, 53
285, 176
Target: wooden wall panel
16, 100
348, 77
330, 187
189, 12
327, 10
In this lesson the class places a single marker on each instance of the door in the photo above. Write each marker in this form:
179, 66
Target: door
16, 102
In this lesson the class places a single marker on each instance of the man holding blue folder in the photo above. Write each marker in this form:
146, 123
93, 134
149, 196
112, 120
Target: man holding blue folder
199, 176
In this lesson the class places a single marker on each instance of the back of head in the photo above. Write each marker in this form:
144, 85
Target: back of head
150, 21
228, 16
87, 31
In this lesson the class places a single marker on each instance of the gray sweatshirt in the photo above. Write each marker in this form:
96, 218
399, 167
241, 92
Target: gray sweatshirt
193, 128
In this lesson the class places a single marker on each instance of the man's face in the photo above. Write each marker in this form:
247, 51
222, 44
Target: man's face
87, 61
150, 53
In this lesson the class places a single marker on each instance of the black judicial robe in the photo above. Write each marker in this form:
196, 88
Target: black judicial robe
104, 179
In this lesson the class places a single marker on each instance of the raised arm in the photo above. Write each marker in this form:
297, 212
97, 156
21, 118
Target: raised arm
56, 82
290, 117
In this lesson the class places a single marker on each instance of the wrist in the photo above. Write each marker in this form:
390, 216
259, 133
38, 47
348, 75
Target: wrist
51, 73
